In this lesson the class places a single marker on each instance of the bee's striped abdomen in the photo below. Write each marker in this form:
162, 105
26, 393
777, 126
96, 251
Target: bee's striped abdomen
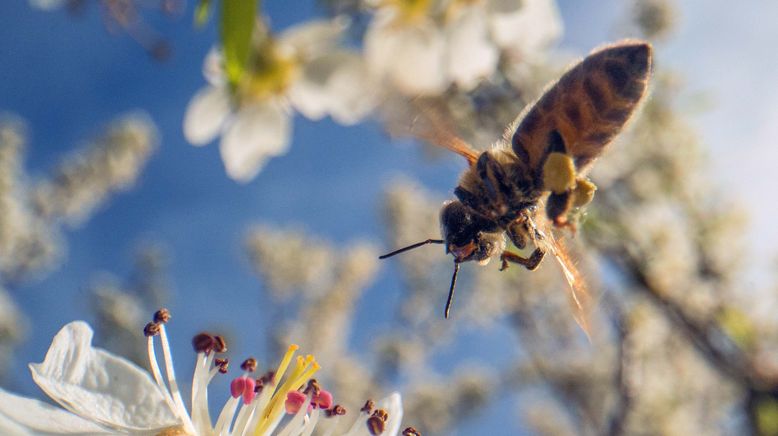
588, 106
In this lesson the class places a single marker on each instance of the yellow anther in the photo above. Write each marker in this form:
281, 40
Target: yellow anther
305, 376
285, 363
558, 173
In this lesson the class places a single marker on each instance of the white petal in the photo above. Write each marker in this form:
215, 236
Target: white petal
471, 55
257, 133
205, 114
410, 55
394, 407
100, 386
213, 67
313, 37
11, 428
354, 94
20, 415
337, 84
308, 93
531, 28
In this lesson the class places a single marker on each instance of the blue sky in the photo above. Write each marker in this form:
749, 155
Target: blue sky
67, 77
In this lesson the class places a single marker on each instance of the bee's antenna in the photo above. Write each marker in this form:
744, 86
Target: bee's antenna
451, 291
412, 246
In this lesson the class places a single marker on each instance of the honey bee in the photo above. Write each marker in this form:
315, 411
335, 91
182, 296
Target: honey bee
541, 164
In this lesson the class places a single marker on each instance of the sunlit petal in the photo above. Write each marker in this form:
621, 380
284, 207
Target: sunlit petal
471, 56
337, 84
20, 415
84, 380
354, 94
393, 405
532, 27
213, 67
313, 37
205, 115
410, 55
309, 94
256, 134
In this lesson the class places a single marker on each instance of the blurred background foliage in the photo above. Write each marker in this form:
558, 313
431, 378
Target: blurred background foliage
681, 342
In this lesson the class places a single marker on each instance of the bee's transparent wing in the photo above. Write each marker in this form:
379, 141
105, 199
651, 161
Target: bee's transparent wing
579, 296
430, 124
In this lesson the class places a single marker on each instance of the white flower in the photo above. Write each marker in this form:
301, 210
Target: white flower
424, 46
105, 394
302, 69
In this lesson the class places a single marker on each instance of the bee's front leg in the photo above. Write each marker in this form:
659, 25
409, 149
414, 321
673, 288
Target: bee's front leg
531, 262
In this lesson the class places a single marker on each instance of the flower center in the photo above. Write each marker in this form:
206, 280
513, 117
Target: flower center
269, 74
411, 10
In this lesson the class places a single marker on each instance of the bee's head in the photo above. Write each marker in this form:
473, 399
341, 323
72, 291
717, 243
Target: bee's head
469, 236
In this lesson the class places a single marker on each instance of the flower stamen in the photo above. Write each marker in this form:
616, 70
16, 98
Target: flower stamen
175, 392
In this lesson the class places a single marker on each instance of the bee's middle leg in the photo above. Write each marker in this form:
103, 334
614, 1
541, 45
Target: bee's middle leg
531, 262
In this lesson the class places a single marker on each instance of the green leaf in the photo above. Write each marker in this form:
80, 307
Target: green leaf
202, 12
237, 25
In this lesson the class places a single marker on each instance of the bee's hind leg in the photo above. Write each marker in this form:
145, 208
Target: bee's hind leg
531, 262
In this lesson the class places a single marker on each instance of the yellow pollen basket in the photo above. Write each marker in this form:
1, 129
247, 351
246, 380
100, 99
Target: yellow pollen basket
558, 173
583, 192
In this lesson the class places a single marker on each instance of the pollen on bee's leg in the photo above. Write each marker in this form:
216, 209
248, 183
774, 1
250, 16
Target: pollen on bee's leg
583, 192
558, 173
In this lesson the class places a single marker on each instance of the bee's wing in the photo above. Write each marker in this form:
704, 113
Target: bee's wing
430, 124
449, 141
579, 297
588, 106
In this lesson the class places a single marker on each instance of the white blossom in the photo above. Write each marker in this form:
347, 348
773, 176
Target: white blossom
101, 393
303, 69
423, 46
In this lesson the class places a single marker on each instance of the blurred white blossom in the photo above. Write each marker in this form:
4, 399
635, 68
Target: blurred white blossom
303, 68
47, 5
85, 180
31, 211
423, 47
13, 329
28, 243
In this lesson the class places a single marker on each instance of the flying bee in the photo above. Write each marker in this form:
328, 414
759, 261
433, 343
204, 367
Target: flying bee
540, 166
